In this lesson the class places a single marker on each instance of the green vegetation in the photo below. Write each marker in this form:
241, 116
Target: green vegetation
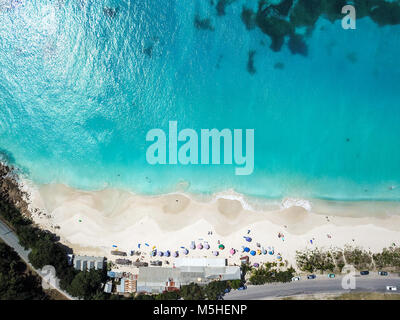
315, 260
46, 250
359, 258
87, 285
192, 292
270, 272
16, 282
335, 260
388, 258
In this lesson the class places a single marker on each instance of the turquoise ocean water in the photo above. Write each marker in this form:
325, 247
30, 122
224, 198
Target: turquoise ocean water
80, 86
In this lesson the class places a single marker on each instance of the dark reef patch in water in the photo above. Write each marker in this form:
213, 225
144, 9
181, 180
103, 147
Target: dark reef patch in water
352, 57
279, 21
218, 65
148, 50
297, 45
203, 24
250, 62
279, 65
386, 14
249, 18
270, 22
110, 12
221, 5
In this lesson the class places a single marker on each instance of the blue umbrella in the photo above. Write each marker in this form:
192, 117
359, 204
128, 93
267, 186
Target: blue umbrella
160, 253
146, 244
248, 239
167, 253
253, 253
246, 249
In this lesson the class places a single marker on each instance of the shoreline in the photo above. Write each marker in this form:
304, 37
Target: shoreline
96, 222
92, 222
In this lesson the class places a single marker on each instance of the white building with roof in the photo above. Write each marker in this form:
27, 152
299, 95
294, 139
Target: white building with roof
200, 262
86, 263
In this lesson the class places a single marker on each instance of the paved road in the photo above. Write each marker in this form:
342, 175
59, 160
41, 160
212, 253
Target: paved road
370, 283
10, 238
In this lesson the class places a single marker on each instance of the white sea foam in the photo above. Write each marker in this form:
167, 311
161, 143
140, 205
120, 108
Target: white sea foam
293, 202
232, 195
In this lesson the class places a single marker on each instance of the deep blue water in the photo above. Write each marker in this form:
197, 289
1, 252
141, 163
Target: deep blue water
79, 89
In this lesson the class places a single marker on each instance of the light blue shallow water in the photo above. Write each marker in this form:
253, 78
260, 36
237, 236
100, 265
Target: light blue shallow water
79, 90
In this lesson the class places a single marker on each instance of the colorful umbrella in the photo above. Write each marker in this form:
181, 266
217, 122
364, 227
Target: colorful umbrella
175, 254
215, 253
232, 251
252, 252
206, 246
256, 265
200, 246
167, 253
221, 247
248, 239
246, 249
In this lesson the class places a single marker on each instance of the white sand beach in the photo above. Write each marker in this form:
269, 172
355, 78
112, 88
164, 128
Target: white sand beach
93, 222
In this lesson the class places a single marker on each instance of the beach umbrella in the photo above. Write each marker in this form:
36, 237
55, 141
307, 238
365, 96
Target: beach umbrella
206, 246
200, 246
279, 258
167, 253
175, 254
147, 245
256, 265
185, 251
138, 245
264, 251
215, 253
248, 239
232, 251
258, 251
246, 249
114, 246
252, 252
192, 245
221, 247
153, 253
160, 253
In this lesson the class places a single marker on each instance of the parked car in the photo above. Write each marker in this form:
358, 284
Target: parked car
295, 278
331, 275
382, 273
364, 273
391, 288
311, 276
242, 288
